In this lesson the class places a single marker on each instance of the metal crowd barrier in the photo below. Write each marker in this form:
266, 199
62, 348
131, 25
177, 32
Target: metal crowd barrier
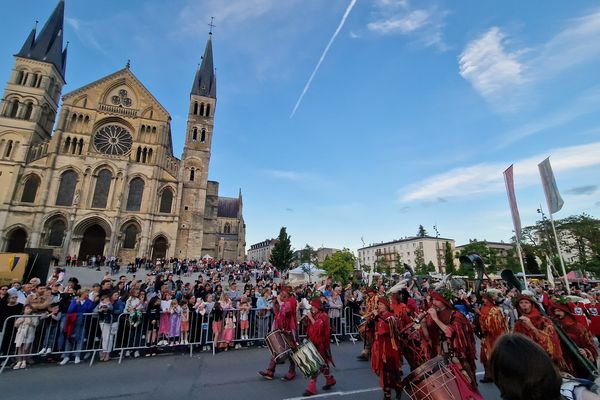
87, 335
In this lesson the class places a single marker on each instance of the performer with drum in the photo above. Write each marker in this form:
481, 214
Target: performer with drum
386, 355
367, 327
318, 330
450, 335
285, 320
492, 324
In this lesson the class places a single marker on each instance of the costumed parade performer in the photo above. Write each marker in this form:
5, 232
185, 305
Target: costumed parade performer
450, 334
386, 355
318, 330
285, 319
492, 325
368, 326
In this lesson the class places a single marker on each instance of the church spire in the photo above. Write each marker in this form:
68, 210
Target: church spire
205, 82
48, 45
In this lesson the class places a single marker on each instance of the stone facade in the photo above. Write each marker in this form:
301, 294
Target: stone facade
105, 181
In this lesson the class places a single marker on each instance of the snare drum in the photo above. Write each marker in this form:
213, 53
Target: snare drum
362, 329
280, 343
307, 359
434, 380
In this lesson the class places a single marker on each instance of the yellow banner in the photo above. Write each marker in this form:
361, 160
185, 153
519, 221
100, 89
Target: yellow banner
12, 266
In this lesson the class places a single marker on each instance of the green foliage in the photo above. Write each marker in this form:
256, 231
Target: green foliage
489, 256
422, 232
340, 266
308, 255
420, 266
448, 258
282, 254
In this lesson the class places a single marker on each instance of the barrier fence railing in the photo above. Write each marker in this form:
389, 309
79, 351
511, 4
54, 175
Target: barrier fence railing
83, 336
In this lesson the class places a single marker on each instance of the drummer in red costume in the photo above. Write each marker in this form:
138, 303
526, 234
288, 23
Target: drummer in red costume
578, 333
369, 332
449, 332
285, 318
386, 355
318, 331
538, 328
593, 311
493, 325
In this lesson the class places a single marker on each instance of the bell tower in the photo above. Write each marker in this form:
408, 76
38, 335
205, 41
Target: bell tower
30, 102
196, 157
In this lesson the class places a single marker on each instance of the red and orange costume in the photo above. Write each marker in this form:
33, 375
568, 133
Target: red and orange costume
493, 325
318, 330
543, 332
369, 328
461, 343
405, 309
593, 311
285, 318
386, 355
580, 335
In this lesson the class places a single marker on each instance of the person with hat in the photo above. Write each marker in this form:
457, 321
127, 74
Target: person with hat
450, 334
369, 331
492, 325
284, 308
578, 333
318, 330
538, 328
386, 354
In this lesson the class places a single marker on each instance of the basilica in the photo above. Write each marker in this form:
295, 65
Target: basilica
98, 176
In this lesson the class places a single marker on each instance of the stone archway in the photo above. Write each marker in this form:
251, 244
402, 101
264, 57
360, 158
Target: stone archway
16, 241
93, 242
159, 247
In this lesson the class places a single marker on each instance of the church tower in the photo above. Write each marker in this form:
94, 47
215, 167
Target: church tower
30, 102
196, 158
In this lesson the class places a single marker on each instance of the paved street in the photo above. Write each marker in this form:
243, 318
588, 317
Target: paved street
223, 376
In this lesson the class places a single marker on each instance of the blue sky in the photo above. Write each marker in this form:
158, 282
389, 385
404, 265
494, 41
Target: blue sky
415, 111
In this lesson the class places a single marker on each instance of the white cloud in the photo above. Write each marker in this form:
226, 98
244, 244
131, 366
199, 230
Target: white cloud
354, 35
489, 67
487, 177
407, 24
287, 175
85, 31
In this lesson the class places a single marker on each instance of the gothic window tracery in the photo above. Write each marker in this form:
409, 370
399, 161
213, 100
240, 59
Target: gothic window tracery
136, 192
102, 189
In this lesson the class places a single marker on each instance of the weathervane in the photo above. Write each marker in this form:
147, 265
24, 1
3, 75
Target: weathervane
211, 25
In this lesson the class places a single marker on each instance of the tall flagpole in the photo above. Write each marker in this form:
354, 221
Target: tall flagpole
514, 210
562, 263
521, 261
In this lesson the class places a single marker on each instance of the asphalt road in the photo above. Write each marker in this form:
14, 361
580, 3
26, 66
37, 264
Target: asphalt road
226, 375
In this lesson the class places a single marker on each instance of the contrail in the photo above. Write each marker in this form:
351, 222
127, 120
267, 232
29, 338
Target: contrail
337, 31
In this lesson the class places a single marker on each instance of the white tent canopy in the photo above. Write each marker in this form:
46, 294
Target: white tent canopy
304, 273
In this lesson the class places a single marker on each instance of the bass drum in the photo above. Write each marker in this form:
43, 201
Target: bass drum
307, 359
280, 343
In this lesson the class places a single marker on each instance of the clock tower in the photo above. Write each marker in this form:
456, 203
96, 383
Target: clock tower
196, 158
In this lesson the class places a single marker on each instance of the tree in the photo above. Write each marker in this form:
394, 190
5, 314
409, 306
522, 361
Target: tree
422, 232
340, 266
449, 258
282, 254
420, 266
308, 255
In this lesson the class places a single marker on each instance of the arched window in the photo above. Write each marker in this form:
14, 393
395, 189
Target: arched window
138, 155
166, 201
136, 191
67, 145
66, 189
208, 110
102, 189
153, 129
13, 108
203, 136
144, 154
227, 228
33, 80
195, 134
195, 108
201, 108
149, 156
192, 174
143, 128
9, 147
131, 233
80, 146
19, 77
30, 189
56, 233
28, 110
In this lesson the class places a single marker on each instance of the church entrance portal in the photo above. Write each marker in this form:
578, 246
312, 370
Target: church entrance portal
159, 248
92, 244
16, 241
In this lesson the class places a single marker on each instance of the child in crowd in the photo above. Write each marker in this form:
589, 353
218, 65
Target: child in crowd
165, 320
153, 315
244, 319
25, 335
51, 321
175, 323
185, 321
229, 331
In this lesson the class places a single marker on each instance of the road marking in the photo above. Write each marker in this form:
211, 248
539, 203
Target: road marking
346, 393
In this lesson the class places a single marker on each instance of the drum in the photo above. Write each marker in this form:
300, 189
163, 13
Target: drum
413, 346
307, 359
280, 343
434, 380
362, 329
